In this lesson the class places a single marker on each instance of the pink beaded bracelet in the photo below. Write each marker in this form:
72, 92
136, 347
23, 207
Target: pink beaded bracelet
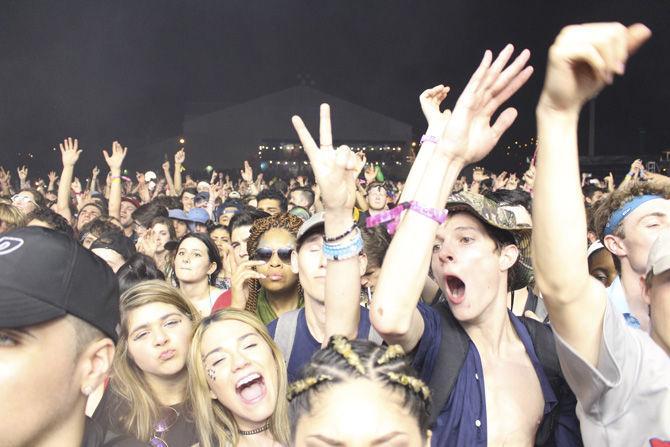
429, 138
393, 215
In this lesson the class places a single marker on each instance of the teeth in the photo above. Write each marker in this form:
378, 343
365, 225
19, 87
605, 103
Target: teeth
248, 379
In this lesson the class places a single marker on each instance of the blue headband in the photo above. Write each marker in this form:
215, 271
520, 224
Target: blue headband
625, 210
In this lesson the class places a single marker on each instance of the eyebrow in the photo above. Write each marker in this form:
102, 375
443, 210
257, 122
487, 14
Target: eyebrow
249, 334
143, 326
654, 214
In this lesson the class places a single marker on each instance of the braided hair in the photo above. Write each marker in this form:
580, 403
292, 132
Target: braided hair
285, 221
344, 360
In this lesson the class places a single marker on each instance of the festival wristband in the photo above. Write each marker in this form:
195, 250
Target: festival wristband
429, 138
393, 216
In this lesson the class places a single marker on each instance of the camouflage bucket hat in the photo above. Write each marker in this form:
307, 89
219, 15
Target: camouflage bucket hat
521, 273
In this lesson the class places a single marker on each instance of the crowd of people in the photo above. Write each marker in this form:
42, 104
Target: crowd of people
344, 309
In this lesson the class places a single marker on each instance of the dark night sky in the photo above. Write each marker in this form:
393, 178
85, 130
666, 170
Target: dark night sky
127, 70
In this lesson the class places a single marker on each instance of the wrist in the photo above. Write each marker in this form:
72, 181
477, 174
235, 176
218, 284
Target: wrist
546, 107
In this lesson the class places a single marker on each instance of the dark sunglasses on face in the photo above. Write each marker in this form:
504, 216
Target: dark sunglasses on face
265, 254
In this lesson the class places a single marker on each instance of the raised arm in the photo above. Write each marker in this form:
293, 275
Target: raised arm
468, 137
70, 152
168, 178
115, 161
335, 172
179, 158
582, 60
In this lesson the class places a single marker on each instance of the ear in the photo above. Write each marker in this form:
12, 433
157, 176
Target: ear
212, 268
646, 292
94, 364
294, 261
362, 264
508, 256
615, 245
212, 395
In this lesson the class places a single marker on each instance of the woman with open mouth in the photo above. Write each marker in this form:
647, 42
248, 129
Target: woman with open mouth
237, 382
146, 401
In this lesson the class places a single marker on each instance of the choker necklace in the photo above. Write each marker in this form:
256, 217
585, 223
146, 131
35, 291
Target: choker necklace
255, 431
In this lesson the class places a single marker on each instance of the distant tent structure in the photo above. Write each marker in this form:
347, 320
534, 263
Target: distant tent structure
227, 136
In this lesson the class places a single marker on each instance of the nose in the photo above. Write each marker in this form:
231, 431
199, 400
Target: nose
239, 361
274, 260
445, 254
160, 337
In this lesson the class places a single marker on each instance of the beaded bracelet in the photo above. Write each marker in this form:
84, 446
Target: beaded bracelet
341, 236
338, 252
393, 215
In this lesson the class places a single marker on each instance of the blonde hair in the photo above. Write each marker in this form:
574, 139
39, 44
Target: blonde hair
215, 424
137, 405
12, 216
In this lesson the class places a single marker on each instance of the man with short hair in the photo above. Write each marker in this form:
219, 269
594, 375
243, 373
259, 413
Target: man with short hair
619, 375
58, 318
301, 196
271, 201
128, 206
656, 290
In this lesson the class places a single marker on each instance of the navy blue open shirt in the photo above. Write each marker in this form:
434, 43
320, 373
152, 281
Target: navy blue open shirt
462, 421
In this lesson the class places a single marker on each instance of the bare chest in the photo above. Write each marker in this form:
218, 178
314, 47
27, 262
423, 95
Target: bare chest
514, 400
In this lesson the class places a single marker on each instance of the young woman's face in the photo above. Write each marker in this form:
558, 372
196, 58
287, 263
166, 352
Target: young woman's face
277, 271
241, 371
161, 235
159, 336
221, 238
359, 413
191, 263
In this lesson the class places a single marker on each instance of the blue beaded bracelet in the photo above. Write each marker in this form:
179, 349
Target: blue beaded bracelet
338, 252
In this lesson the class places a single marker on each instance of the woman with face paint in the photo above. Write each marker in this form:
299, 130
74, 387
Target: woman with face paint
147, 395
237, 382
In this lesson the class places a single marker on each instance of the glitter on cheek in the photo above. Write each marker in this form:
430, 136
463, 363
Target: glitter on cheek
211, 374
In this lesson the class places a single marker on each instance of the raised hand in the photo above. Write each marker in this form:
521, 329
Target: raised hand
499, 181
53, 177
76, 186
529, 178
584, 58
238, 283
430, 101
334, 170
180, 156
478, 175
512, 182
70, 151
23, 173
370, 173
115, 160
95, 172
247, 173
469, 135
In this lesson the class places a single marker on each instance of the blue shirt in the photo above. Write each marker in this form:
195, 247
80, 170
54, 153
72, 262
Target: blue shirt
305, 345
462, 421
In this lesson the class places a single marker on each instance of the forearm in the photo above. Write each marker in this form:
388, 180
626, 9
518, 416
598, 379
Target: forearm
419, 166
408, 255
115, 194
474, 187
343, 289
559, 218
177, 179
361, 203
91, 187
170, 183
63, 202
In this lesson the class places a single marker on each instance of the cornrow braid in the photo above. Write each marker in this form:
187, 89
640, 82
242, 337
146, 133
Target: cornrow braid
286, 221
345, 360
303, 385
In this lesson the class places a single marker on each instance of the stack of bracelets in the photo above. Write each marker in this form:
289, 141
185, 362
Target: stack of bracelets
393, 215
344, 246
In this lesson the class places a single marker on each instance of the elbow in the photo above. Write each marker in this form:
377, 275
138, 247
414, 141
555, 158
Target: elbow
390, 325
560, 290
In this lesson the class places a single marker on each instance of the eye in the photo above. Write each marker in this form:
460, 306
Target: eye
252, 345
172, 323
217, 361
466, 239
436, 247
6, 340
140, 335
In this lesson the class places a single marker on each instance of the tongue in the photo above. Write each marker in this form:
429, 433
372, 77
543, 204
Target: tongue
252, 392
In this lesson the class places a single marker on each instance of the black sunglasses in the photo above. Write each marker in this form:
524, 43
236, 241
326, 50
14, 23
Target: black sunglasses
265, 254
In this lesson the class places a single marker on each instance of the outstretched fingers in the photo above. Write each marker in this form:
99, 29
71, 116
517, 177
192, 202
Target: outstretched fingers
325, 129
308, 143
503, 122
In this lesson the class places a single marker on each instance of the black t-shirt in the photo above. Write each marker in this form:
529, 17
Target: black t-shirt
181, 434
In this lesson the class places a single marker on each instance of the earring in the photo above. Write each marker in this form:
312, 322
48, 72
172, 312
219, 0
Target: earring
87, 390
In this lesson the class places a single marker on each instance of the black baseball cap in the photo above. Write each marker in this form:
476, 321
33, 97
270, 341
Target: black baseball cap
45, 274
117, 241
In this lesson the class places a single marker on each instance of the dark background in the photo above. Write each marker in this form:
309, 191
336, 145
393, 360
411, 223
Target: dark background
128, 70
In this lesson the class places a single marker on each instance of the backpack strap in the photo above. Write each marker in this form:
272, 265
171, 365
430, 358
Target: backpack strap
374, 336
285, 332
450, 358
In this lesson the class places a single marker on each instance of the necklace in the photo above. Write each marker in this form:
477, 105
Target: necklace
255, 431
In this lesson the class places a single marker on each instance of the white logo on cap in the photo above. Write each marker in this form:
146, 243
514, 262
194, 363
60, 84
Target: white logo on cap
9, 244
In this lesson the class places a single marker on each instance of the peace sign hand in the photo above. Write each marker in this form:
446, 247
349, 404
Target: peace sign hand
335, 170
